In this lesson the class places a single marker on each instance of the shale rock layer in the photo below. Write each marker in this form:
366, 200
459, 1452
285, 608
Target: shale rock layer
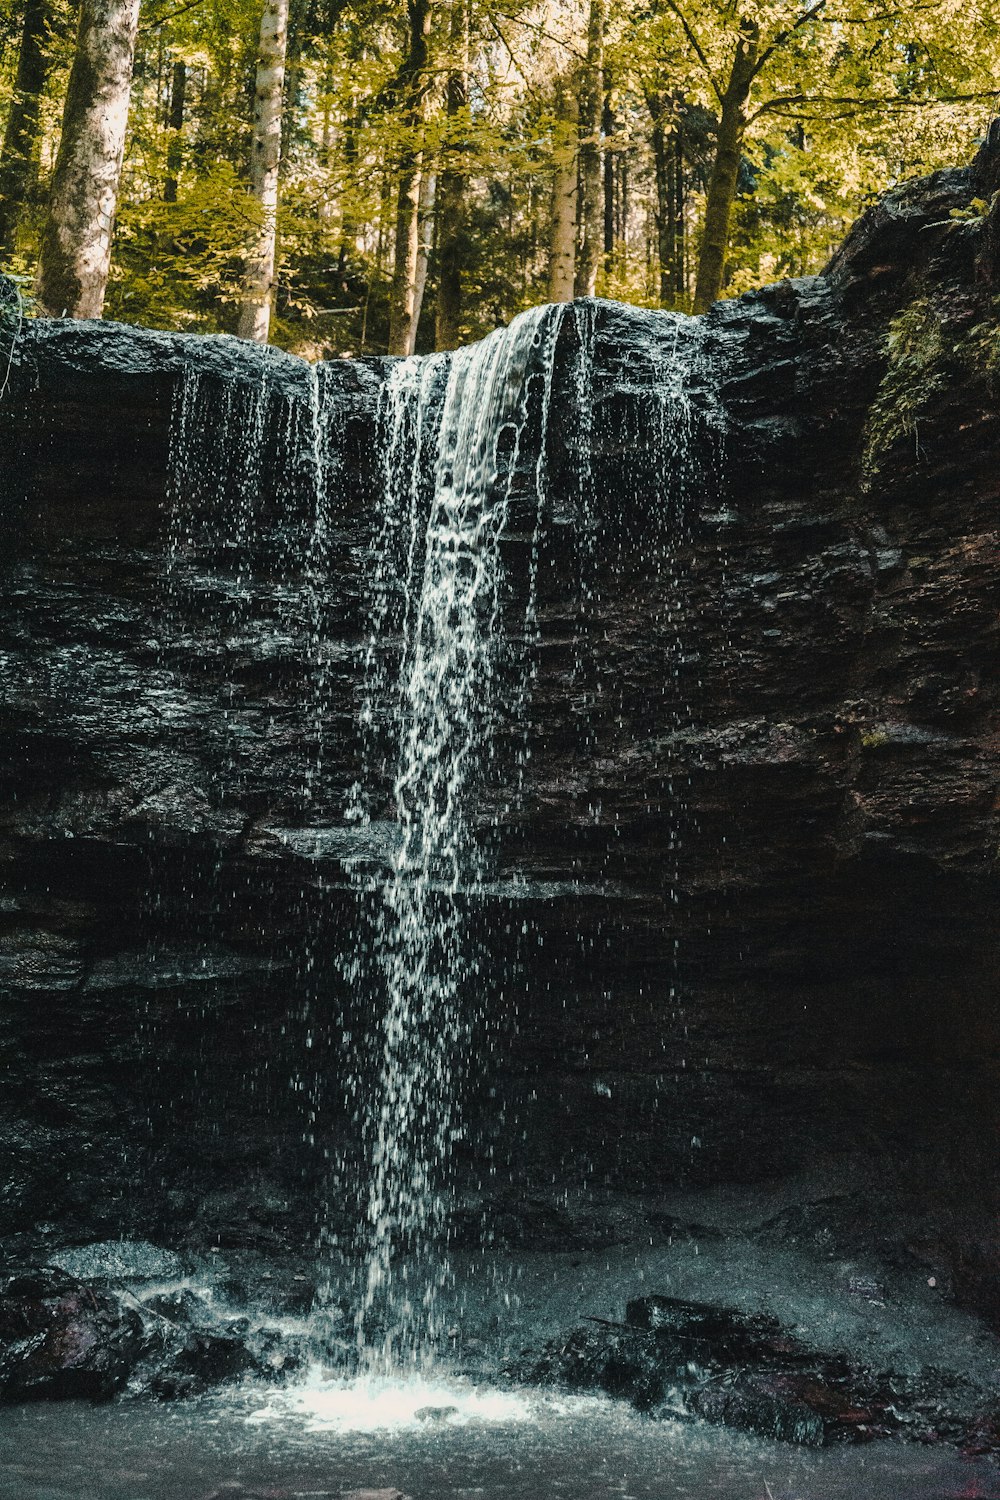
744, 911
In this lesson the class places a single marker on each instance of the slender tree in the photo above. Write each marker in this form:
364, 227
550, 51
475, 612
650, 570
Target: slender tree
667, 141
726, 167
19, 154
565, 195
265, 162
75, 253
412, 93
591, 211
750, 54
611, 216
425, 248
451, 189
175, 123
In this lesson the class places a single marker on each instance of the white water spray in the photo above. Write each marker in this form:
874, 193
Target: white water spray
447, 704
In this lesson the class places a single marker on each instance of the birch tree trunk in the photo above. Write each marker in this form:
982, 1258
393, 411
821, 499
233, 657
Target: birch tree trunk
565, 196
588, 261
725, 172
75, 253
611, 185
406, 257
402, 295
425, 246
451, 191
19, 156
265, 162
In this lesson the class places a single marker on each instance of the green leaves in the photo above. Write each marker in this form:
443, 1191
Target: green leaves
847, 97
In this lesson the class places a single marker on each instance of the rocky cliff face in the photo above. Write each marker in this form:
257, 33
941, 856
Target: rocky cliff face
742, 918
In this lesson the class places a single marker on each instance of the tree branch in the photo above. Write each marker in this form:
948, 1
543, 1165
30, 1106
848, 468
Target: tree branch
510, 53
783, 36
539, 30
170, 16
790, 104
697, 47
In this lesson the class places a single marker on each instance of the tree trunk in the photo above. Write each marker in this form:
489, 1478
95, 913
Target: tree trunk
565, 195
451, 191
19, 157
75, 254
725, 173
622, 181
265, 162
402, 294
349, 158
425, 246
175, 123
610, 187
588, 260
668, 157
406, 257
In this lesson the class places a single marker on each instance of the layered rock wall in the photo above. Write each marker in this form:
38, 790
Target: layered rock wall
743, 913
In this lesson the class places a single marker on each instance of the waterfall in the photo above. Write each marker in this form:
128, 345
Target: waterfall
474, 492
442, 542
11, 324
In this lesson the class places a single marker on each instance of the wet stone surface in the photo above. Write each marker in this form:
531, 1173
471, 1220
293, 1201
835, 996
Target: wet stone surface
672, 1357
741, 913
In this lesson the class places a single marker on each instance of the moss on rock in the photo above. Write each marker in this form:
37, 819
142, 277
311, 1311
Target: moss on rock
926, 355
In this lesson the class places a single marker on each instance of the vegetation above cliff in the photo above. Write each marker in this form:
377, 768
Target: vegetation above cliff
372, 174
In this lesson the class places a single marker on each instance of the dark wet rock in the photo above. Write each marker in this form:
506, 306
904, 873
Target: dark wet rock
746, 1371
192, 1347
433, 1414
614, 1360
374, 1494
708, 1334
235, 1489
812, 1407
270, 1284
181, 1305
982, 1437
673, 1229
124, 350
203, 1359
60, 1337
664, 1345
832, 1226
68, 1336
743, 917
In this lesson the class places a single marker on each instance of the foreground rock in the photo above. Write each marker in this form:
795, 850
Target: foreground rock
62, 1337
678, 1358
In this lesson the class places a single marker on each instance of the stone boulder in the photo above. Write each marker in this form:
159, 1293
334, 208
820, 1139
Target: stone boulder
60, 1337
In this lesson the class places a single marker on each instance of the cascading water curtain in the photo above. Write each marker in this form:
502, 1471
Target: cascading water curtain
442, 700
679, 433
682, 465
247, 541
11, 324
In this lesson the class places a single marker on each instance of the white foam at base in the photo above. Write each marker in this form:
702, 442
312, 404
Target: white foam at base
384, 1404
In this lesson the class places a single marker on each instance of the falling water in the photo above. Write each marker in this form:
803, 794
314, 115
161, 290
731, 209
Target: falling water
11, 324
449, 662
245, 593
446, 701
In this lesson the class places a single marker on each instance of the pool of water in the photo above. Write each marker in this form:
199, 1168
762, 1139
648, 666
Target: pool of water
325, 1440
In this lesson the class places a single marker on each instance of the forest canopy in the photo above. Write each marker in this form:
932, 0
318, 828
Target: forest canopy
351, 176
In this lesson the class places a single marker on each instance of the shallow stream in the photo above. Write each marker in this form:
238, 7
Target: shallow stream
323, 1441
